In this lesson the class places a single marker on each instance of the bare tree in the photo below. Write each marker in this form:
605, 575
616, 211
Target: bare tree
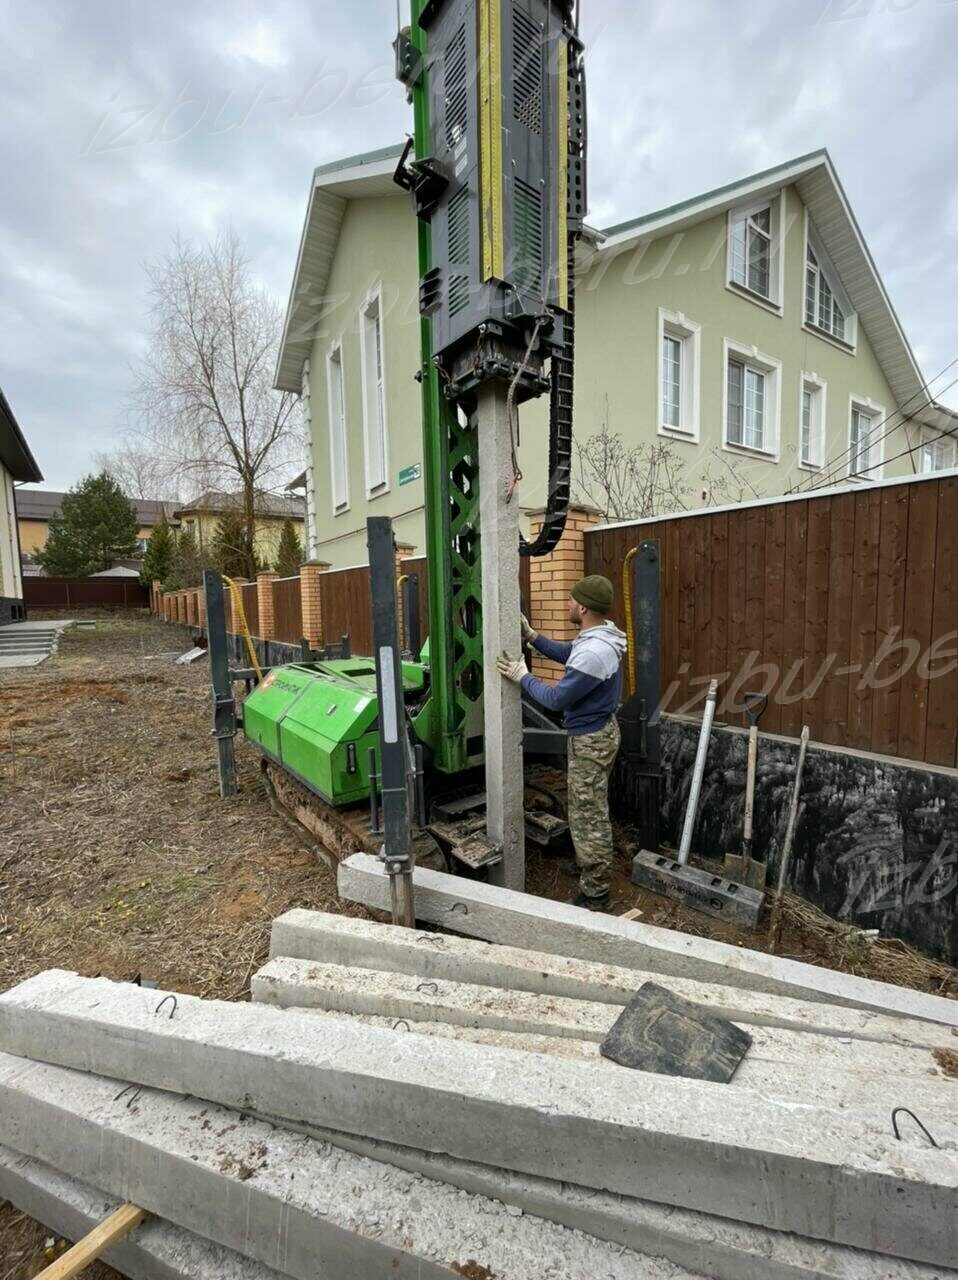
139, 472
629, 482
204, 390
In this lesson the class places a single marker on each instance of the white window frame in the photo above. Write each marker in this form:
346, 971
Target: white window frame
776, 267
771, 367
374, 395
932, 439
875, 464
673, 324
337, 414
848, 344
819, 389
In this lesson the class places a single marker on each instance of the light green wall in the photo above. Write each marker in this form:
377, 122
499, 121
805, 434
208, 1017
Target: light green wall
616, 367
377, 244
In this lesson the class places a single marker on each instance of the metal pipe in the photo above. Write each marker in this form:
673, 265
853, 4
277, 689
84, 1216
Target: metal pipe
698, 773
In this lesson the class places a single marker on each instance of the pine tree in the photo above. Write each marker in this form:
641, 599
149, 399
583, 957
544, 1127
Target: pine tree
95, 527
289, 554
160, 552
188, 565
229, 551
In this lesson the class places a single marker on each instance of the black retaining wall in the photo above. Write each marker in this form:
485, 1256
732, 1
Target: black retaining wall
876, 843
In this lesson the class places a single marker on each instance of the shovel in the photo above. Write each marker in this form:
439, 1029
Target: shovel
743, 868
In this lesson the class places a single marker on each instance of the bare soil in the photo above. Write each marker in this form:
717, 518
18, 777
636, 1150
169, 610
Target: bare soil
120, 858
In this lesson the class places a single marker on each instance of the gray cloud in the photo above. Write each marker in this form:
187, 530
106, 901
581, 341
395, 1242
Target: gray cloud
124, 123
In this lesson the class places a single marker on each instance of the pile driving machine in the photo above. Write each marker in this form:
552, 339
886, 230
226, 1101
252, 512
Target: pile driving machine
496, 171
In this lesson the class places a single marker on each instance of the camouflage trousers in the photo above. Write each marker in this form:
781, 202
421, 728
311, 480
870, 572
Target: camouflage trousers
591, 756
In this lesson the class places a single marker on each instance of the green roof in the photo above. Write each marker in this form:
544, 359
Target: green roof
364, 157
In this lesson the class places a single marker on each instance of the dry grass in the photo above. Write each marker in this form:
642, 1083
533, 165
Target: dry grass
119, 857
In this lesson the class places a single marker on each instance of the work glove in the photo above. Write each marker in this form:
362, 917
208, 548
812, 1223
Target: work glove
528, 635
512, 668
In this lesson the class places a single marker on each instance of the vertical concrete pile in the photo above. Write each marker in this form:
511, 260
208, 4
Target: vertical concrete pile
414, 1103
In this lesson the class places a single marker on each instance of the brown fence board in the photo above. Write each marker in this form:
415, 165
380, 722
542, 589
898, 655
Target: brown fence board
80, 593
863, 619
941, 738
346, 608
919, 611
841, 554
793, 656
774, 634
250, 606
812, 588
287, 610
890, 613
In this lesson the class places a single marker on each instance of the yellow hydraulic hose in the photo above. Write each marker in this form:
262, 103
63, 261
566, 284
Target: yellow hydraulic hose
629, 618
241, 614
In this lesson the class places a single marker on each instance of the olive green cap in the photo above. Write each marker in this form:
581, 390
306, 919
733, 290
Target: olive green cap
594, 592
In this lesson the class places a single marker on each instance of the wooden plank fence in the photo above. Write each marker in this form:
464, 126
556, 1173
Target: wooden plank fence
80, 593
843, 606
287, 610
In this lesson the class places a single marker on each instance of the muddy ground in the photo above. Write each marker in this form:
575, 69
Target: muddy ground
119, 857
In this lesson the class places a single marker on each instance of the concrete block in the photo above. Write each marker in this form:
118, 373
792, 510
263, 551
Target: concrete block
311, 1210
367, 944
716, 1247
519, 919
792, 1066
156, 1250
700, 890
787, 1166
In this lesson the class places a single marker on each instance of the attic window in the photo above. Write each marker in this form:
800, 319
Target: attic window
754, 258
822, 308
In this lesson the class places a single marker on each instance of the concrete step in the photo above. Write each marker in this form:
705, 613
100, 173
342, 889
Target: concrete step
519, 919
309, 1209
155, 1251
786, 1166
337, 939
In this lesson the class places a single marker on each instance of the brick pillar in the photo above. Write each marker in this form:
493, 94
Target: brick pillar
232, 617
156, 596
178, 606
311, 602
166, 607
264, 599
191, 611
552, 577
201, 608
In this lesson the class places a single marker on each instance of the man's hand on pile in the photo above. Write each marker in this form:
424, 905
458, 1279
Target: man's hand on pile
528, 635
512, 668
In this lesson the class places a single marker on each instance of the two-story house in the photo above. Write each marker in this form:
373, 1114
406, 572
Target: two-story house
743, 336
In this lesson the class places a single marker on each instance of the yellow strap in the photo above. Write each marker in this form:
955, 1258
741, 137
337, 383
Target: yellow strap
629, 618
241, 614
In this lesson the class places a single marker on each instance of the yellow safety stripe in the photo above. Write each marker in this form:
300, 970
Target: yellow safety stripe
490, 129
562, 135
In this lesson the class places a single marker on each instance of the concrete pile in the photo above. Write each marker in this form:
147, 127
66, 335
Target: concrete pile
407, 1103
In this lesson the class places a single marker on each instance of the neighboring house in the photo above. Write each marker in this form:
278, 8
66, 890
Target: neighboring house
37, 507
201, 517
746, 330
17, 465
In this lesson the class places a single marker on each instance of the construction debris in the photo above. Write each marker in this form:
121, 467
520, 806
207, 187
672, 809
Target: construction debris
308, 1132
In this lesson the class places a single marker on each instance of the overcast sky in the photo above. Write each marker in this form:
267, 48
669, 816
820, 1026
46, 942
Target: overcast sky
122, 123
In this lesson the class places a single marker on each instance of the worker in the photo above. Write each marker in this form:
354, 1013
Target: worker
588, 696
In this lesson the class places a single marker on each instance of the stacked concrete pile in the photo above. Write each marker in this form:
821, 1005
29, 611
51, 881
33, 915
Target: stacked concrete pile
408, 1103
